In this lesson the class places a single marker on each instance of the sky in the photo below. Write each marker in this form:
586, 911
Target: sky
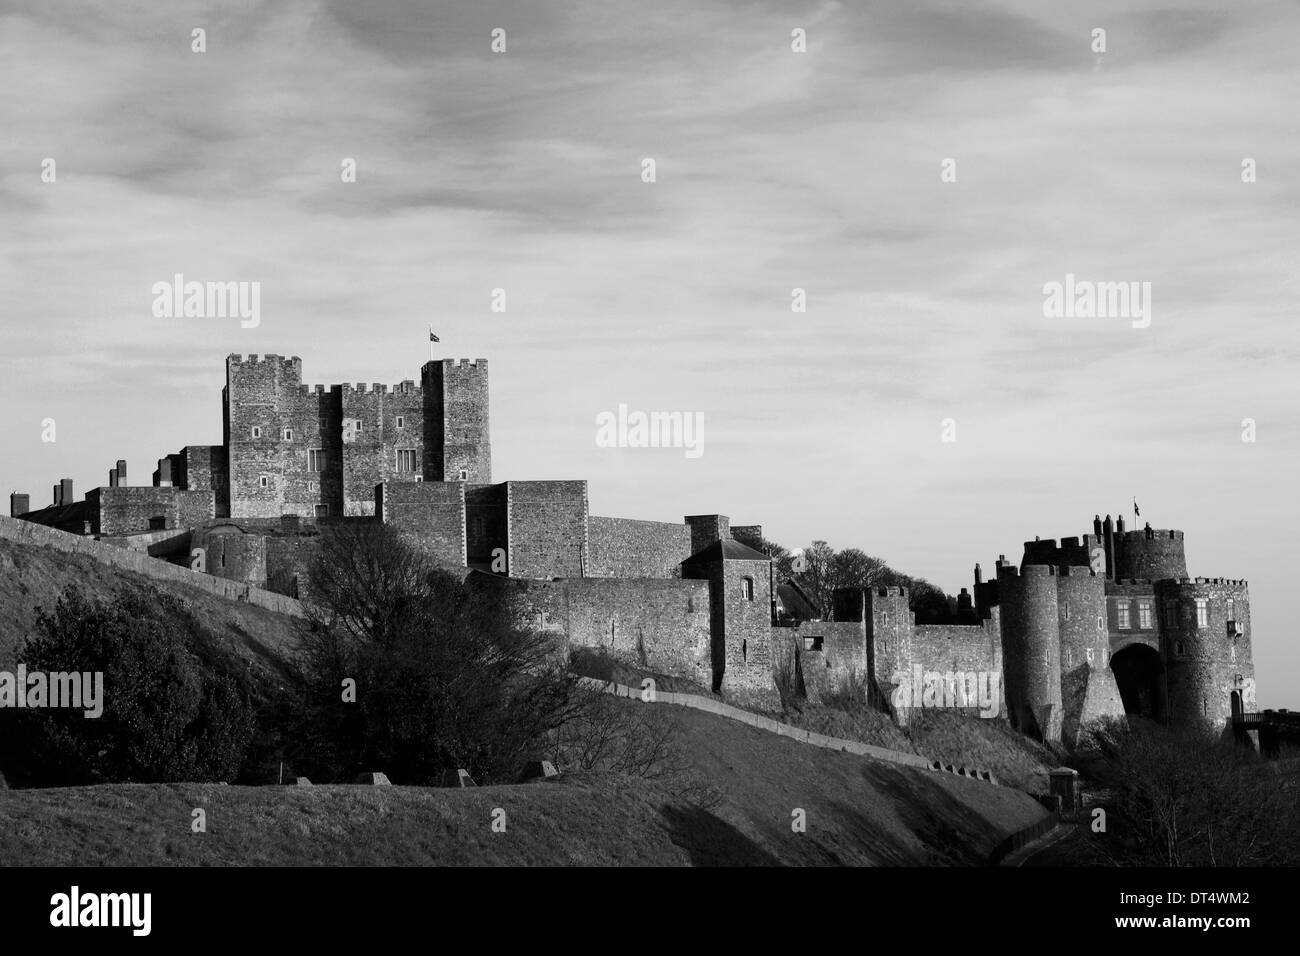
774, 170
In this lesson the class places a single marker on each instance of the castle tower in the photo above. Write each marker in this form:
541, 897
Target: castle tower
889, 644
1207, 650
262, 436
1150, 555
740, 618
1089, 691
456, 432
1031, 643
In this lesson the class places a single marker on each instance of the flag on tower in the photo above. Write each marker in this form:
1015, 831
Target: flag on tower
1136, 512
432, 337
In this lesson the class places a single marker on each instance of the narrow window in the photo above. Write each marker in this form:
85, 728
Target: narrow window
286, 434
316, 460
1232, 609
1178, 648
401, 421
257, 431
464, 474
1202, 612
747, 588
263, 482
1144, 615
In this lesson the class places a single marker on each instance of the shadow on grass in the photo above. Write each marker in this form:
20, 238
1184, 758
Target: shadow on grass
712, 842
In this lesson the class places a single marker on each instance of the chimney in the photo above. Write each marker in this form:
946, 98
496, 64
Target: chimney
19, 504
66, 496
1108, 532
121, 472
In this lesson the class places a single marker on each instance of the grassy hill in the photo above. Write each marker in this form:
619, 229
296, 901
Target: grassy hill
31, 577
859, 812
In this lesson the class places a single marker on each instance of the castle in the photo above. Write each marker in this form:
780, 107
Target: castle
1094, 627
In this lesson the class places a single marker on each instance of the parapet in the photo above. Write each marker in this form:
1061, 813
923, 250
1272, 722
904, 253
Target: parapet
1150, 534
892, 592
237, 359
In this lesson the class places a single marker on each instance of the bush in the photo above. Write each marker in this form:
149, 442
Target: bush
172, 709
1183, 798
445, 676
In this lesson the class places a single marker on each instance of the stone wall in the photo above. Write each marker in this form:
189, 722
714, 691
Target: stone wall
487, 526
627, 548
661, 625
25, 532
548, 528
832, 655
376, 424
430, 514
121, 510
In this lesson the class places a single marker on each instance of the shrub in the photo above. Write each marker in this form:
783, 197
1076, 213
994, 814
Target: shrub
172, 709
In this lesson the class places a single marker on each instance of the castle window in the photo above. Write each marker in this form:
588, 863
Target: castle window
1232, 609
360, 426
256, 431
1202, 612
1124, 609
312, 486
1144, 615
464, 474
401, 421
747, 588
406, 460
1179, 648
263, 482
322, 511
286, 434
316, 460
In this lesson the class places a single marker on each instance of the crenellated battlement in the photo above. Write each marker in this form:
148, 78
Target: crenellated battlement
892, 592
1151, 534
270, 358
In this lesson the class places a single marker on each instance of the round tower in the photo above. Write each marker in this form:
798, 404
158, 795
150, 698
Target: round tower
1031, 649
1150, 554
1205, 629
1089, 691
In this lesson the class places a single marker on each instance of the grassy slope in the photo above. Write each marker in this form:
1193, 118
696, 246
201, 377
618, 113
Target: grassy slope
36, 576
859, 812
